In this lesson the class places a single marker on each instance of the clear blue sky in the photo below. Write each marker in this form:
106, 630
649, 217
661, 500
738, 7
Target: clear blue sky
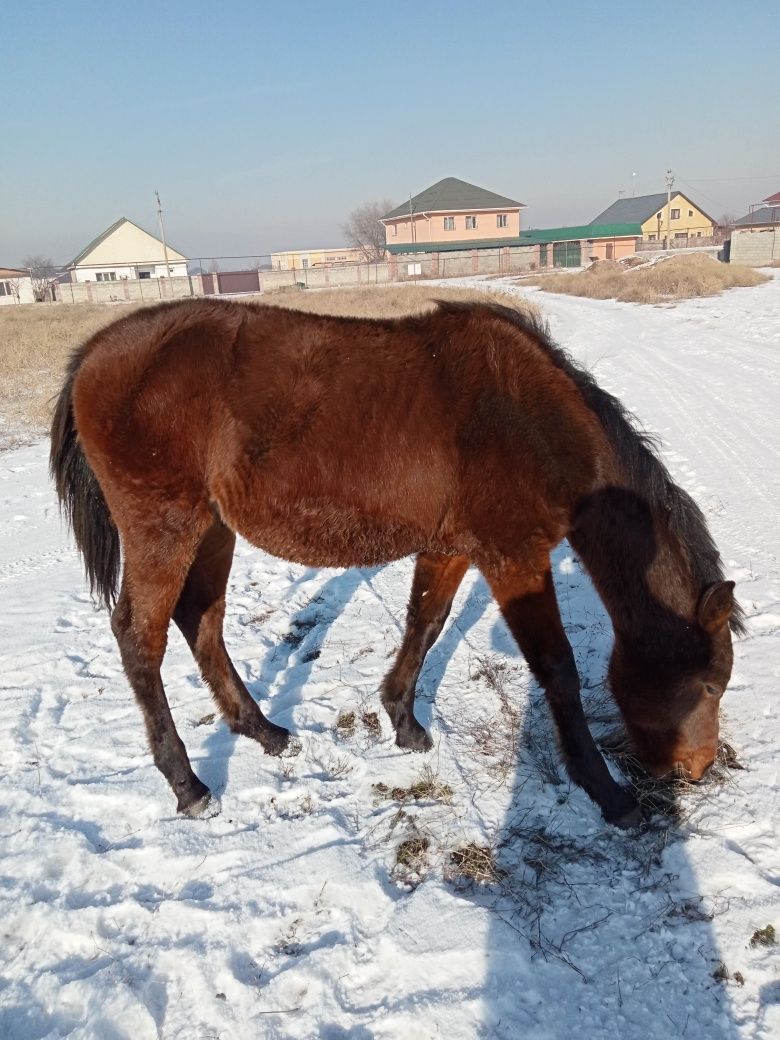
264, 124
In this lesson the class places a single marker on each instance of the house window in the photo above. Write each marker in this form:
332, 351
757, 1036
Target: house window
395, 229
501, 220
680, 234
651, 238
413, 269
690, 212
471, 223
305, 263
105, 276
5, 289
698, 234
675, 214
658, 216
449, 223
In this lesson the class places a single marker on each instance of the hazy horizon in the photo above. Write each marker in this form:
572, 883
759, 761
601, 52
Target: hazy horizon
262, 127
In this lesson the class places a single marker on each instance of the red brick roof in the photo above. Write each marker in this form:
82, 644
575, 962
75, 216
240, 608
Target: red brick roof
773, 200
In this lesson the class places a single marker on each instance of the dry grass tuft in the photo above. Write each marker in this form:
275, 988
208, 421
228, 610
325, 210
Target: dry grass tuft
36, 340
474, 864
345, 725
411, 854
763, 936
426, 788
675, 278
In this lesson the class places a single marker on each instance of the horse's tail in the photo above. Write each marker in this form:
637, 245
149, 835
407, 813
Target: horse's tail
81, 497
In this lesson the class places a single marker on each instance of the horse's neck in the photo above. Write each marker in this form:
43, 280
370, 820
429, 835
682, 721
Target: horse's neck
638, 569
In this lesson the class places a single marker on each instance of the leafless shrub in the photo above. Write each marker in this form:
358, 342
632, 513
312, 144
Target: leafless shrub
363, 231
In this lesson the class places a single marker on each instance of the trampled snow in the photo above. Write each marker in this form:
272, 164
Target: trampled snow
288, 915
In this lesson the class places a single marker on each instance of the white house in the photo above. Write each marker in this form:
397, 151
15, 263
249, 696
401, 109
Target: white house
125, 251
15, 286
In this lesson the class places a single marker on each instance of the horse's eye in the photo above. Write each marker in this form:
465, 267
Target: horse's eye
712, 691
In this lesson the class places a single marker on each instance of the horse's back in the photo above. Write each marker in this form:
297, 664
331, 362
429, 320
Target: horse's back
338, 441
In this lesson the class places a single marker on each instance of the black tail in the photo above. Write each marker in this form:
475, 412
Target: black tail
81, 497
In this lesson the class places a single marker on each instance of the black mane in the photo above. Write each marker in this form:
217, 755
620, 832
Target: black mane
642, 467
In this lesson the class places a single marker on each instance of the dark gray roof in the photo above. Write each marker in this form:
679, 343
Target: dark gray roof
639, 209
766, 215
453, 194
632, 211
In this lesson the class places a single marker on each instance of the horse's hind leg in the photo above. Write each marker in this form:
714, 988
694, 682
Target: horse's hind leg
526, 596
199, 614
154, 573
436, 580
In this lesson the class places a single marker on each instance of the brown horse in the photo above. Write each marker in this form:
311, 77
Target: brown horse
462, 435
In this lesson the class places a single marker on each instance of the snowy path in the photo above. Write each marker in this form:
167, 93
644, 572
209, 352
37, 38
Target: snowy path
286, 915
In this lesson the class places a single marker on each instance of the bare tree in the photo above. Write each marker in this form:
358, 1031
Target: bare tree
42, 274
726, 220
363, 231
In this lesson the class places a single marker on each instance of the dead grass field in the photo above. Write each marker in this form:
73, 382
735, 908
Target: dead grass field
678, 278
37, 339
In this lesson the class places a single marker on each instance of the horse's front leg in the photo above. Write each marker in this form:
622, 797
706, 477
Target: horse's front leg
527, 600
436, 580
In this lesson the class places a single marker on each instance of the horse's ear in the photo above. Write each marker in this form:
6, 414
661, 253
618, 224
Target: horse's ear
716, 605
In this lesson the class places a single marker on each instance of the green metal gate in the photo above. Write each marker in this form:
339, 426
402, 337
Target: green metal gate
567, 254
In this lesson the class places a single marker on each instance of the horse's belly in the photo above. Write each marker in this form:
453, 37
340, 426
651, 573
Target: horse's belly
329, 535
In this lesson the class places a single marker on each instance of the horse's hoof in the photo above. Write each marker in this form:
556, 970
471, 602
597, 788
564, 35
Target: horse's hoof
203, 808
413, 739
276, 740
625, 819
293, 747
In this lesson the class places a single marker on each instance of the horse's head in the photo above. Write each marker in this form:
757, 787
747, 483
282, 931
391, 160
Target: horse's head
670, 702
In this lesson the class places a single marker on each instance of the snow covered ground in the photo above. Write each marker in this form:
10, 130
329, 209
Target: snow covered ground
289, 915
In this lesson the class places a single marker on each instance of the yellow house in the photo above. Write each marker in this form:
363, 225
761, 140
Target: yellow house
301, 259
680, 218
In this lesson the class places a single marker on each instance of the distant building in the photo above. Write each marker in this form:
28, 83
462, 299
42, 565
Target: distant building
125, 250
686, 220
452, 214
767, 215
755, 238
302, 259
15, 286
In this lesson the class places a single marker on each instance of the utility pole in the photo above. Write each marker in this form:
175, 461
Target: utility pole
669, 185
162, 234
411, 220
633, 185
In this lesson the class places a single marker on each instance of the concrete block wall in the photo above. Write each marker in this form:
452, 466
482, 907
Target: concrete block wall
755, 247
149, 290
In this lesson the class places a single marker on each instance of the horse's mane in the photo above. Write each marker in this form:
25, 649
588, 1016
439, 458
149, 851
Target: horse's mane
636, 451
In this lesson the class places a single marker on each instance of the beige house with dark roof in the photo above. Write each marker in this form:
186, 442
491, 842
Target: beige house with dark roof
453, 211
125, 250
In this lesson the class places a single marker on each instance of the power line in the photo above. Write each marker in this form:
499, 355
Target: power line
713, 180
